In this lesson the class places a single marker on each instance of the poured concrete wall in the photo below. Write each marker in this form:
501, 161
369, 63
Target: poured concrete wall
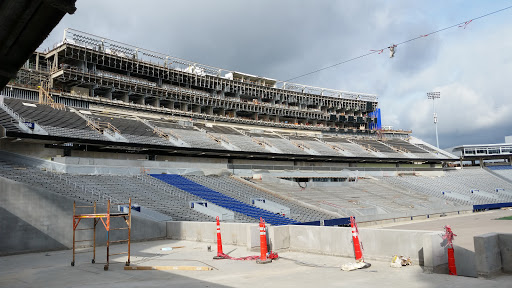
488, 256
505, 243
465, 261
242, 234
424, 247
31, 149
101, 166
493, 254
377, 243
38, 220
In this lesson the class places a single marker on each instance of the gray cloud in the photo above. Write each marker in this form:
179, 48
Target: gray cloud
284, 39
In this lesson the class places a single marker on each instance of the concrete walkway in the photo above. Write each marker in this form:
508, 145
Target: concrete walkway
466, 226
294, 269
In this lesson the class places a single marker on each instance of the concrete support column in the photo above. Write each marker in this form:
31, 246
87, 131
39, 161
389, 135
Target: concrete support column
156, 103
209, 110
108, 94
255, 116
125, 98
55, 61
184, 106
169, 105
141, 100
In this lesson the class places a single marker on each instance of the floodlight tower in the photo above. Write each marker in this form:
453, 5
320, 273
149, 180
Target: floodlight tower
434, 96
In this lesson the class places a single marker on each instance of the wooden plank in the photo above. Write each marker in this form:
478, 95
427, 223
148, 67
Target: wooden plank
187, 268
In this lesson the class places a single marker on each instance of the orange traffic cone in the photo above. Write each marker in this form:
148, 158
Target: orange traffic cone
263, 244
449, 236
358, 250
452, 269
220, 254
355, 238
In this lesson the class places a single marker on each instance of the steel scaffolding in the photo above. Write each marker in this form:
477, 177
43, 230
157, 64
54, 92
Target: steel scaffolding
105, 219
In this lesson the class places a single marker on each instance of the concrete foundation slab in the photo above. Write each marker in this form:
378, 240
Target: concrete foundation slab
294, 269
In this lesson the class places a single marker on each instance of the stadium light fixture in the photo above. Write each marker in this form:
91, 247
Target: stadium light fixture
434, 96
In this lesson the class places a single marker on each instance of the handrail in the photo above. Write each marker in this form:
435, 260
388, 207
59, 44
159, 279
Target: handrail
46, 99
100, 127
159, 131
15, 115
261, 142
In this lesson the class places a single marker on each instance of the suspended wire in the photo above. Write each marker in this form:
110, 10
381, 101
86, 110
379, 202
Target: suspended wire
462, 24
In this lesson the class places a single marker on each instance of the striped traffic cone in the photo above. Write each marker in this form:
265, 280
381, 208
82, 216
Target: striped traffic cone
220, 254
263, 244
358, 250
355, 239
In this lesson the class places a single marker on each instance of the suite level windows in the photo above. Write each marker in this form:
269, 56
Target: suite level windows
488, 151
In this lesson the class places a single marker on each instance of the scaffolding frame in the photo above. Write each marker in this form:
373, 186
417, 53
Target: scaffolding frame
45, 98
105, 220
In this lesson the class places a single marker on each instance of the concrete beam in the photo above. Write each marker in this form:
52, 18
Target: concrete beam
487, 255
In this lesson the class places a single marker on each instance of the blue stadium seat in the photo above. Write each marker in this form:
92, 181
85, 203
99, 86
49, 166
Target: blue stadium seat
222, 200
504, 167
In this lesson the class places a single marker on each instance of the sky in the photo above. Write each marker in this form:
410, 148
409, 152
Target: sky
471, 67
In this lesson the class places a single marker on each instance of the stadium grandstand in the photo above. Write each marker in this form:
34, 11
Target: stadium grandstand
94, 119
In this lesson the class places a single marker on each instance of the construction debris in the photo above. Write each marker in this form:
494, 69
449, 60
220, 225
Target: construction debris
355, 266
171, 248
399, 261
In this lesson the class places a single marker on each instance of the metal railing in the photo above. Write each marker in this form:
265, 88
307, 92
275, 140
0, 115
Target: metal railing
165, 188
327, 168
82, 188
15, 115
108, 46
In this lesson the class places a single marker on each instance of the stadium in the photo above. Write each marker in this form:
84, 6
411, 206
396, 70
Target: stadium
93, 123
